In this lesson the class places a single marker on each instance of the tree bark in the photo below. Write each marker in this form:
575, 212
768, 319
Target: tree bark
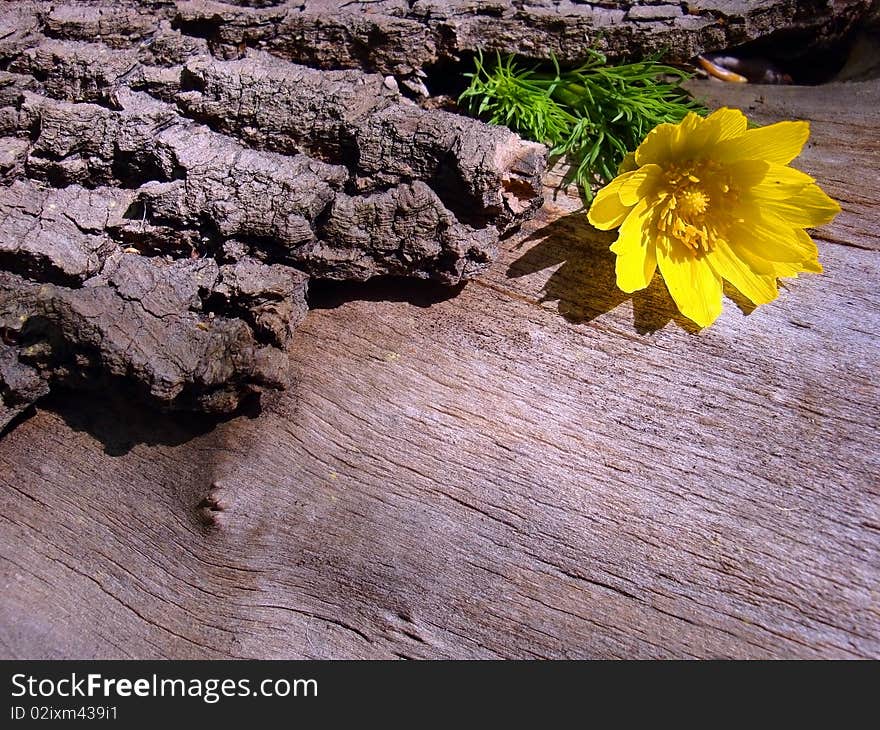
142, 175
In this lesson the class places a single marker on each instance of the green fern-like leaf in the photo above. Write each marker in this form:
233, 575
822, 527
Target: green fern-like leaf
589, 116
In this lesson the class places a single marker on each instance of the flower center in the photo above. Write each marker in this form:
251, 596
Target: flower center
692, 203
689, 205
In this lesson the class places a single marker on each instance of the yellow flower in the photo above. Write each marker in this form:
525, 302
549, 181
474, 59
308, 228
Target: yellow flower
709, 199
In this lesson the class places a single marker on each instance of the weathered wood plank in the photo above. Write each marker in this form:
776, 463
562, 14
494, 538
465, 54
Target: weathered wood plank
539, 466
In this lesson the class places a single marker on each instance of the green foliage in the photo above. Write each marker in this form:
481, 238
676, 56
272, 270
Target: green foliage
590, 116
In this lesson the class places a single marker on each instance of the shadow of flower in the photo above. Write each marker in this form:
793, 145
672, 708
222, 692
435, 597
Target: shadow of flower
585, 285
744, 305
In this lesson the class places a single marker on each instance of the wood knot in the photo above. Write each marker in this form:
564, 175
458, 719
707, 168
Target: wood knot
212, 506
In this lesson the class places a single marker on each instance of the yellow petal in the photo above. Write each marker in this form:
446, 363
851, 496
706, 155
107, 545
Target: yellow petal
628, 164
809, 207
780, 143
636, 258
698, 137
639, 185
693, 285
759, 288
780, 182
606, 211
746, 174
658, 147
729, 123
693, 131
693, 137
779, 269
771, 238
811, 263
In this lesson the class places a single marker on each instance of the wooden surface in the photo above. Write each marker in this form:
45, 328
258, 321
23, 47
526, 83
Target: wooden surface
537, 466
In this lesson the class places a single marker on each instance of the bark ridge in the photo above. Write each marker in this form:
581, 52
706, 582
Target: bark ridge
162, 209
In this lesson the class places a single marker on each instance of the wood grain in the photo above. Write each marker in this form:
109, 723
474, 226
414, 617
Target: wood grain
536, 465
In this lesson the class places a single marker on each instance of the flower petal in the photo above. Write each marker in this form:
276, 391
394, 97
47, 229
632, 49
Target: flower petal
780, 143
760, 288
771, 238
698, 137
693, 131
809, 207
779, 183
810, 263
639, 185
658, 147
693, 137
779, 269
729, 122
746, 174
606, 211
636, 257
693, 285
628, 164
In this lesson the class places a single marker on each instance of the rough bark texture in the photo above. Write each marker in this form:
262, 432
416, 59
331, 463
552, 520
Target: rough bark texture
162, 210
540, 466
411, 39
404, 38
